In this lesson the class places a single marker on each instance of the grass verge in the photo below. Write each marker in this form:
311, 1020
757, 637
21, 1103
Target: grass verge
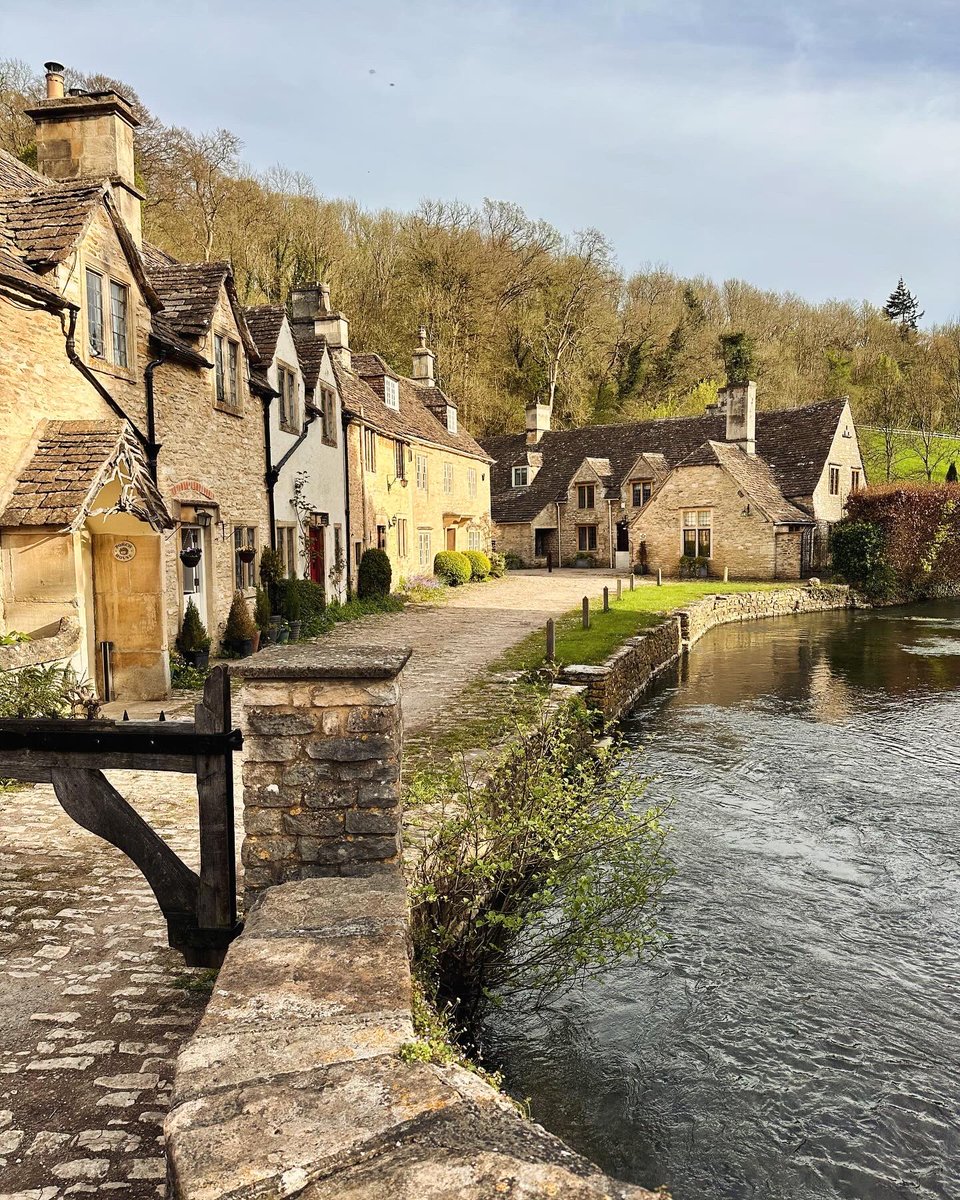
906, 462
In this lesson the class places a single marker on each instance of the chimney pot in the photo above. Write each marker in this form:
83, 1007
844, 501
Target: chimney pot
325, 297
423, 360
54, 72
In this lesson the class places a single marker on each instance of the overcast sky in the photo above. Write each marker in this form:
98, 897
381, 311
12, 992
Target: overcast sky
811, 146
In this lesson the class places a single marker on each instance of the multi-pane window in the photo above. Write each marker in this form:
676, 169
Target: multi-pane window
474, 539
245, 538
854, 480
586, 495
369, 449
381, 537
95, 314
422, 480
698, 533
642, 491
472, 482
448, 477
834, 481
328, 414
520, 476
391, 393
287, 548
423, 546
119, 294
586, 537
400, 460
287, 387
226, 366
451, 419
402, 537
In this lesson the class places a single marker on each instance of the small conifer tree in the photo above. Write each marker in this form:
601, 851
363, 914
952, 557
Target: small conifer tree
952, 476
903, 308
193, 633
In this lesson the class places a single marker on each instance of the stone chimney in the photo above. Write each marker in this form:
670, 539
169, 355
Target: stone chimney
423, 360
740, 401
311, 307
88, 135
538, 421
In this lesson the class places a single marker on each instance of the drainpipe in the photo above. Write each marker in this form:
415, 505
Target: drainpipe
348, 547
610, 543
559, 549
271, 474
71, 347
153, 446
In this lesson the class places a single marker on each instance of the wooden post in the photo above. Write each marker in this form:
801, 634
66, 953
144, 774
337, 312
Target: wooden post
619, 588
659, 577
726, 574
549, 562
632, 583
586, 612
551, 640
217, 904
606, 599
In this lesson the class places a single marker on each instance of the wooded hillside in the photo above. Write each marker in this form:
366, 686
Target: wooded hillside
515, 308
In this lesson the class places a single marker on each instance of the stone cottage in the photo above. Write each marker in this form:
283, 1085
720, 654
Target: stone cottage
755, 493
418, 483
306, 482
131, 404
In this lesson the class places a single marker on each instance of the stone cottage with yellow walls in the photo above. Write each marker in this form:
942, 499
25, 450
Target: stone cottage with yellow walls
131, 405
752, 493
417, 483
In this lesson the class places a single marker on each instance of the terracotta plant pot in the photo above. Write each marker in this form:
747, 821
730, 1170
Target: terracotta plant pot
256, 641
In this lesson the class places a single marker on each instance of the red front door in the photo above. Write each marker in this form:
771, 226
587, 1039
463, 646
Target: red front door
316, 555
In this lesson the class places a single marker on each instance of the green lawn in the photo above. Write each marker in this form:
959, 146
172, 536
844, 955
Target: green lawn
639, 609
907, 463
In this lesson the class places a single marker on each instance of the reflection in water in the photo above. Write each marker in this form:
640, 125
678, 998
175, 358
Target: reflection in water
801, 1035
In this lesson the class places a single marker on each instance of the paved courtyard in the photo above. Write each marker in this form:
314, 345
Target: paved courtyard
95, 1006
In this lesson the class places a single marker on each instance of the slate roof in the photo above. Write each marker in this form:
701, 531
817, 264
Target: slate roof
754, 478
265, 323
414, 420
44, 224
310, 352
794, 443
71, 463
189, 292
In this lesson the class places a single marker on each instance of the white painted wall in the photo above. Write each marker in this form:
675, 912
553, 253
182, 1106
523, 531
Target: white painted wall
324, 489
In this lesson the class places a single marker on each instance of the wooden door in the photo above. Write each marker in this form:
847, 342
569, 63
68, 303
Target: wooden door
315, 550
452, 538
128, 612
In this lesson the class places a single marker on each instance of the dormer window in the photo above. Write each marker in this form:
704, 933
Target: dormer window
101, 292
226, 359
391, 393
520, 476
287, 387
451, 419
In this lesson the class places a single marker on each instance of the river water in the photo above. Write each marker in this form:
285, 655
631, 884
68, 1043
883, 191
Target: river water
800, 1036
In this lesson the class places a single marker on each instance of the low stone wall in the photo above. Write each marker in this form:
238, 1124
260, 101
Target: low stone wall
60, 647
614, 686
297, 1082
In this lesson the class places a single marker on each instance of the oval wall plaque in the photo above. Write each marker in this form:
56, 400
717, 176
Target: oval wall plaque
124, 551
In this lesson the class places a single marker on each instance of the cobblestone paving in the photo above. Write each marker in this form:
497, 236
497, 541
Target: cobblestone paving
94, 1004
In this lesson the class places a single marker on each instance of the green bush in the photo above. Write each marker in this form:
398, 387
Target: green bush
498, 566
452, 567
38, 691
193, 634
240, 627
858, 556
480, 564
513, 561
304, 601
374, 575
261, 610
183, 677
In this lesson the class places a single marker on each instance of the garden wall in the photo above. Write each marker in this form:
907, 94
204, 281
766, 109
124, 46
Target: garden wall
613, 687
60, 647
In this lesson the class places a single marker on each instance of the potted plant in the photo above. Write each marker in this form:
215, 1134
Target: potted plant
291, 610
261, 615
702, 567
238, 634
193, 641
283, 633
190, 555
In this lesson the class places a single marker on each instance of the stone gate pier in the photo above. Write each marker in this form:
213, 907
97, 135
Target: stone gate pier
295, 1083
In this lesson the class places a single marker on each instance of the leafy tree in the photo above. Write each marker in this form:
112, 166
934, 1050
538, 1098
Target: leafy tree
374, 574
903, 309
738, 353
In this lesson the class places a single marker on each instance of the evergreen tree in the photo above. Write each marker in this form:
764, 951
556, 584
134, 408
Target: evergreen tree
903, 308
952, 476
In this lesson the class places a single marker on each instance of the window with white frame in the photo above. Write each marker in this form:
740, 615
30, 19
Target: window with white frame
107, 299
472, 482
474, 539
402, 537
451, 419
391, 393
423, 548
698, 533
520, 476
287, 387
422, 479
245, 539
369, 448
448, 477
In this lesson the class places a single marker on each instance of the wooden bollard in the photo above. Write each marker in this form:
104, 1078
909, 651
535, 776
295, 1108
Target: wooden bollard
631, 581
606, 599
586, 612
619, 589
551, 641
726, 574
659, 577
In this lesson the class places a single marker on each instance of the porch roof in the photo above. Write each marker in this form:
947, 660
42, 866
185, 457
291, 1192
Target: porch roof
71, 464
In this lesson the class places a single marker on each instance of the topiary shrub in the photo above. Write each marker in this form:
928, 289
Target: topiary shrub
304, 601
374, 575
498, 566
238, 634
261, 610
479, 564
452, 567
193, 637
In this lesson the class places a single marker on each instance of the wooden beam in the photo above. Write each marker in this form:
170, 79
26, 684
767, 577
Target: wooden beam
217, 904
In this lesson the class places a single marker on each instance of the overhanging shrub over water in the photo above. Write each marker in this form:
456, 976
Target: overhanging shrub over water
534, 872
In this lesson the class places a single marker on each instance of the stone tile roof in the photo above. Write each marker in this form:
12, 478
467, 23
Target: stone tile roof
189, 292
795, 443
310, 352
45, 224
415, 418
73, 460
17, 176
13, 271
753, 477
265, 323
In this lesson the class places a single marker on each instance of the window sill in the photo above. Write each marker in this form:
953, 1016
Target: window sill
296, 430
228, 409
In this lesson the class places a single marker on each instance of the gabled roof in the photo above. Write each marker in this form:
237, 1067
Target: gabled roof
752, 476
190, 292
265, 323
413, 420
71, 464
44, 225
795, 444
311, 351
